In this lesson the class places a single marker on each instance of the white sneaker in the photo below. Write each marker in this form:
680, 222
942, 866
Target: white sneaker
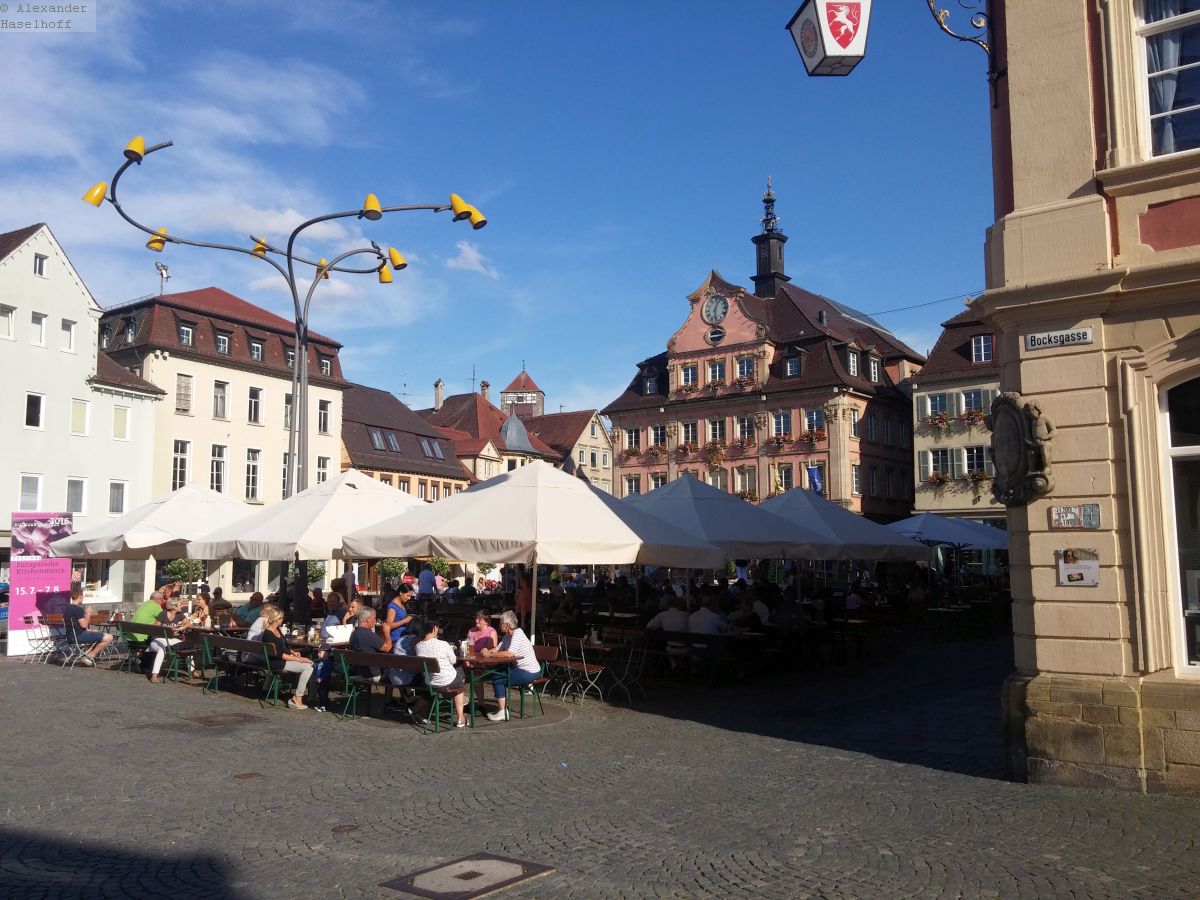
500, 715
85, 661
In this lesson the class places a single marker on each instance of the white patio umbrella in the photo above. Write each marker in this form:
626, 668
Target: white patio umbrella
931, 529
161, 528
739, 528
533, 514
859, 537
311, 523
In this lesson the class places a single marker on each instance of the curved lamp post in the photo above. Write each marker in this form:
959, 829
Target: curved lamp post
284, 261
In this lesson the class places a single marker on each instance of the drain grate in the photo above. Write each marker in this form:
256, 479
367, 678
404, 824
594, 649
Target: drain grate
466, 878
223, 720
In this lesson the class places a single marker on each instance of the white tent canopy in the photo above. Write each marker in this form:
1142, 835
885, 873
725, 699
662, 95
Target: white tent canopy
737, 527
930, 529
859, 537
534, 513
160, 528
311, 523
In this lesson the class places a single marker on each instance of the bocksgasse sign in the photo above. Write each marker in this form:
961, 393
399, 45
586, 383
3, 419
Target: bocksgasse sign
1053, 340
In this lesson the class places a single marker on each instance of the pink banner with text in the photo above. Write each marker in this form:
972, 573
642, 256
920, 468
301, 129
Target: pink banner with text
39, 584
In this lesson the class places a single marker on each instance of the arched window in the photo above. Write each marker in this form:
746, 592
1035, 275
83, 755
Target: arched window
1183, 450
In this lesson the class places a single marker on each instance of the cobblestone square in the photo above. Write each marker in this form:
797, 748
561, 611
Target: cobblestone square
878, 778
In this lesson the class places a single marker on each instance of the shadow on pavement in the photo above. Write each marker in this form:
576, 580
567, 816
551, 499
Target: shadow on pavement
35, 864
935, 705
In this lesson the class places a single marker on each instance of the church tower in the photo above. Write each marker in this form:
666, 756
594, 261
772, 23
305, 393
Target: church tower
769, 246
523, 397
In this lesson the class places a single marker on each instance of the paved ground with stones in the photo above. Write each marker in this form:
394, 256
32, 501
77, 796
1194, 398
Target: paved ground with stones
873, 779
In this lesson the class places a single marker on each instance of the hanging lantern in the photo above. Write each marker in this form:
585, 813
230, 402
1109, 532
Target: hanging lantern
831, 35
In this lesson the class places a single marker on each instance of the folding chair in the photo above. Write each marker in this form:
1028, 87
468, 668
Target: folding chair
585, 676
626, 672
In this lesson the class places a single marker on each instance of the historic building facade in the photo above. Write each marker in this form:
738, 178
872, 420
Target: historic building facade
582, 442
759, 392
1093, 279
386, 440
952, 395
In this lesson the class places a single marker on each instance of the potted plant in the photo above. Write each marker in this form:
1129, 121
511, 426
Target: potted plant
746, 442
813, 436
714, 453
780, 440
630, 453
937, 422
970, 418
976, 477
654, 451
938, 480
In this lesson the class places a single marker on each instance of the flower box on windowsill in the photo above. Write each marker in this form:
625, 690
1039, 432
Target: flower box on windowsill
976, 477
779, 441
813, 436
938, 480
752, 496
936, 422
971, 418
685, 448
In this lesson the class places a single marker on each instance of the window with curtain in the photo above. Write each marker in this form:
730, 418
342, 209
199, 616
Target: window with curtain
1183, 465
1171, 31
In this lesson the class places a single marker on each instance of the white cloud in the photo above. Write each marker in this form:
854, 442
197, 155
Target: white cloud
470, 259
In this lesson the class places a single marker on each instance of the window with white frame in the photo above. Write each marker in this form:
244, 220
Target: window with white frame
376, 437
287, 411
79, 416
594, 457
649, 386
35, 411
254, 407
745, 426
291, 358
116, 498
745, 366
180, 456
792, 365
39, 264
633, 438
326, 366
814, 419
120, 428
719, 479
854, 423
8, 322
605, 463
785, 477
324, 407
256, 351
939, 403
423, 486
284, 483
76, 495
981, 347
593, 427
253, 463
633, 485
944, 462
1182, 406
852, 362
187, 335
434, 491
716, 429
1170, 30
657, 480
131, 329
973, 400
220, 399
37, 329
976, 460
393, 441
105, 336
66, 336
658, 435
405, 484
31, 492
688, 374
856, 479
716, 370
216, 468
781, 422
183, 394
582, 456
691, 432
322, 469
223, 340
745, 479
874, 369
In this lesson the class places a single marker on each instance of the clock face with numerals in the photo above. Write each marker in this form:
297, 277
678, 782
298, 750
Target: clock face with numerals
715, 308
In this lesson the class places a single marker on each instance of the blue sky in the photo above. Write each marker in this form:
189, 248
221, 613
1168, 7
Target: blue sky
620, 151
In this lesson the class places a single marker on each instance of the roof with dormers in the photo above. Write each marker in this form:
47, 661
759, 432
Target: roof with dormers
365, 409
473, 415
111, 373
951, 360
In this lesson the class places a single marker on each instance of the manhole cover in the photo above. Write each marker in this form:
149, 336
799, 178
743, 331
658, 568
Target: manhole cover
222, 720
466, 878
246, 776
343, 829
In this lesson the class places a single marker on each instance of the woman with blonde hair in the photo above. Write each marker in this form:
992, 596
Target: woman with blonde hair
284, 660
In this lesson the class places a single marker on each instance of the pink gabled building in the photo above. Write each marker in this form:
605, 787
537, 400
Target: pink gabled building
759, 392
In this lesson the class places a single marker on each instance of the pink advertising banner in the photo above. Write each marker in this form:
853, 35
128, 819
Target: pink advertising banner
39, 583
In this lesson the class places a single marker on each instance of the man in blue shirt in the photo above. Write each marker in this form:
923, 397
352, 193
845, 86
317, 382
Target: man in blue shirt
75, 623
426, 583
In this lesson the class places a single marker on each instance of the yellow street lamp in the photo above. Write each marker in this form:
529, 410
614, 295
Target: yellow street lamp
397, 259
157, 241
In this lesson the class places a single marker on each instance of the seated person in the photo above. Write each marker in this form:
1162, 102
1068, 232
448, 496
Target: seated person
145, 615
525, 668
467, 591
284, 659
248, 613
746, 617
75, 623
350, 613
200, 616
406, 679
316, 602
708, 619
335, 611
675, 618
483, 636
365, 640
567, 612
175, 620
448, 677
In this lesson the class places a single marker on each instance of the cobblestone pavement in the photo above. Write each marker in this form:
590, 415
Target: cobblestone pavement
873, 779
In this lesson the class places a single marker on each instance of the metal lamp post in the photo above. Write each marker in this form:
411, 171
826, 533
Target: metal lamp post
383, 264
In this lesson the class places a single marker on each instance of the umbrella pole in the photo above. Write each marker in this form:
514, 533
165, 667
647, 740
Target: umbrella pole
533, 599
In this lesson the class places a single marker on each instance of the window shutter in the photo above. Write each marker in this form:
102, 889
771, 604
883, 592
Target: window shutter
988, 465
989, 397
923, 406
957, 461
960, 403
923, 466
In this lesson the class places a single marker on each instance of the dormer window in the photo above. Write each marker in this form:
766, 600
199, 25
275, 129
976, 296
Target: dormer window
649, 388
874, 369
223, 343
852, 362
792, 365
256, 349
105, 336
291, 359
981, 348
130, 331
186, 335
326, 366
822, 318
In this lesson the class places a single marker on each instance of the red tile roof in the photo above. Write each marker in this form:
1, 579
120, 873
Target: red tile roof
111, 373
522, 383
561, 431
11, 240
472, 414
950, 358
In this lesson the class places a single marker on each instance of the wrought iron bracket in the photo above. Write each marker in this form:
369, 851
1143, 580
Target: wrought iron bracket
980, 13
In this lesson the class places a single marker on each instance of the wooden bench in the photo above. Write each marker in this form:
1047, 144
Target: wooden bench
440, 699
247, 656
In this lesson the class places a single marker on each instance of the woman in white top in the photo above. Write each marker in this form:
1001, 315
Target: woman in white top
448, 676
524, 670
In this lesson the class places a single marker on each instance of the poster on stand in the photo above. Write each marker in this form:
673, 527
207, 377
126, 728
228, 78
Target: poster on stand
39, 584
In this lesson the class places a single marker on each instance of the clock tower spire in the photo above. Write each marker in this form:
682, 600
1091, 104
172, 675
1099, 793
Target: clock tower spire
769, 249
